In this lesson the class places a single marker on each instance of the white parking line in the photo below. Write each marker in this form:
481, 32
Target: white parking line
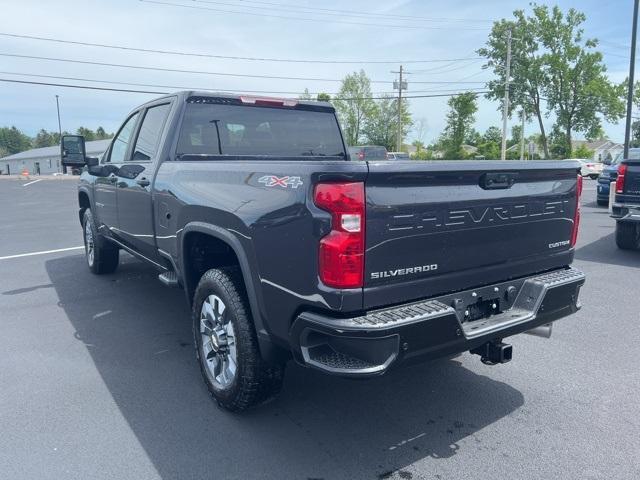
29, 183
44, 252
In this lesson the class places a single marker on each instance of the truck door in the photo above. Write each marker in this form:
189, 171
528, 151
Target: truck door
105, 185
135, 176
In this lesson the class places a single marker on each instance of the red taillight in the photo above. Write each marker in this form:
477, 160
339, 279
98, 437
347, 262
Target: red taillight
341, 262
576, 215
622, 171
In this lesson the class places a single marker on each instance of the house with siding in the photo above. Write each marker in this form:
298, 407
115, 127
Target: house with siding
601, 148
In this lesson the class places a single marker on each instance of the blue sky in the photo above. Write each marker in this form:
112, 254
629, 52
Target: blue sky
418, 30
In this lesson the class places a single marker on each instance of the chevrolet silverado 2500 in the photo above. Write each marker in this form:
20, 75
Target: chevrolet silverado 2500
287, 248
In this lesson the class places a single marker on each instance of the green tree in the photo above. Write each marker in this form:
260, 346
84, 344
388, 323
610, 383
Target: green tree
305, 95
582, 152
419, 145
528, 79
552, 60
354, 104
43, 139
381, 125
101, 134
13, 140
88, 134
578, 90
635, 134
516, 135
462, 109
472, 137
558, 144
323, 97
493, 135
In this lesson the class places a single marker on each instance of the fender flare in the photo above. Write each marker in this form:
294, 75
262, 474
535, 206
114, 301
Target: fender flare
85, 191
264, 338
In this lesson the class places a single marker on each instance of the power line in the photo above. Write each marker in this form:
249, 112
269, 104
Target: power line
88, 87
205, 72
225, 57
306, 19
184, 87
331, 12
383, 15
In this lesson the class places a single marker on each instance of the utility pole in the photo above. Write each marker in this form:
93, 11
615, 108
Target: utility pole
522, 138
632, 65
399, 132
64, 169
505, 111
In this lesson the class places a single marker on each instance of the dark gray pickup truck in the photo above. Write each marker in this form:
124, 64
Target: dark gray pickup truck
626, 207
288, 249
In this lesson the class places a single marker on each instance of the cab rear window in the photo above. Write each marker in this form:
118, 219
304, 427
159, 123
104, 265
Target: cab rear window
210, 129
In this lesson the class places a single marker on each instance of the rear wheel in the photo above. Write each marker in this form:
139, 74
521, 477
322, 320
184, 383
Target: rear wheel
602, 203
101, 258
627, 235
226, 345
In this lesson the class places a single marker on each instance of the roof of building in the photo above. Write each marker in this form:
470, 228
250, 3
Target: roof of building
596, 145
94, 147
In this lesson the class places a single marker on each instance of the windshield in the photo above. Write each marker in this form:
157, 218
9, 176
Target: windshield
235, 130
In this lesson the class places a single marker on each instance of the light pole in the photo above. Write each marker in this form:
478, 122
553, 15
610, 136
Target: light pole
632, 69
64, 169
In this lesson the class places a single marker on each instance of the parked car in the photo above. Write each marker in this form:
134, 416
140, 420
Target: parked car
285, 249
398, 156
609, 174
589, 168
626, 206
368, 152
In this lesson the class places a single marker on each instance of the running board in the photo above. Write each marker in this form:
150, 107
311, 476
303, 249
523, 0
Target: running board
169, 279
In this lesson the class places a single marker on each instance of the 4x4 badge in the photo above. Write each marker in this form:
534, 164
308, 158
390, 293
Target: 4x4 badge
284, 182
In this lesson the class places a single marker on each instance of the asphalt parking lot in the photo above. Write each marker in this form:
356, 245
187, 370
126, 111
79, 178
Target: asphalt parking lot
98, 380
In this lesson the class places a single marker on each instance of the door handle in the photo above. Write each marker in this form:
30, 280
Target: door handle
112, 178
143, 182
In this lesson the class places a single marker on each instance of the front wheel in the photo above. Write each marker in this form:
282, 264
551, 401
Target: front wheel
627, 235
101, 258
226, 344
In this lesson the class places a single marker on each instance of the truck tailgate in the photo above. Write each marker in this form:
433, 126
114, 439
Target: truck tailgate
436, 227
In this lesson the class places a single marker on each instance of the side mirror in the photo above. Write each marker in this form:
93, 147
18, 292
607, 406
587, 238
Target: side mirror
72, 151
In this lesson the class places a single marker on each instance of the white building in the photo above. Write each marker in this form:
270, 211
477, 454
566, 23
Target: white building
601, 148
44, 161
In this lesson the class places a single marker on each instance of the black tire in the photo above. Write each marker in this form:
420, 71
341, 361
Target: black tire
593, 176
105, 257
255, 381
602, 203
627, 235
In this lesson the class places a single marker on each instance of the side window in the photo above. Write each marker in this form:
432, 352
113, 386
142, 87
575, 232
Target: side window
121, 142
148, 139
